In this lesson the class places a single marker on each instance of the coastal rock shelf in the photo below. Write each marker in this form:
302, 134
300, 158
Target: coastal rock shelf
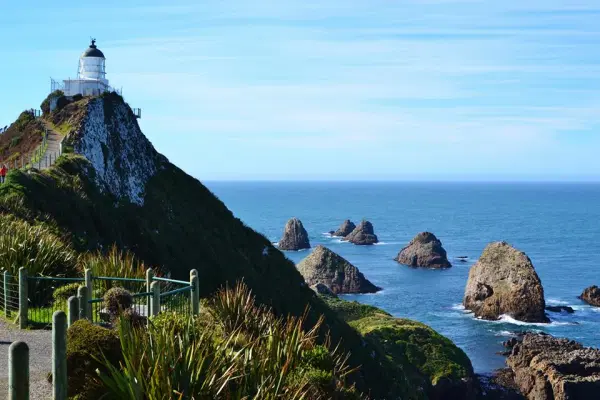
425, 250
294, 237
546, 367
503, 281
325, 267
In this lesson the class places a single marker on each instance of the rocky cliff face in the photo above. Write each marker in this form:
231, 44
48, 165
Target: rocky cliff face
363, 235
425, 250
294, 237
328, 268
547, 368
121, 156
503, 281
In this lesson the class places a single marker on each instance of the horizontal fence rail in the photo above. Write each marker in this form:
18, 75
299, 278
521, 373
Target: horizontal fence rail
34, 299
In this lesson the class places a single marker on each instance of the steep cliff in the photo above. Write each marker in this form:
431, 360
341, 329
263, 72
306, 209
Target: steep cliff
113, 187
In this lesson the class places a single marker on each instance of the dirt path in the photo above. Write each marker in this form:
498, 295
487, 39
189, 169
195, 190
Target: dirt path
40, 359
53, 150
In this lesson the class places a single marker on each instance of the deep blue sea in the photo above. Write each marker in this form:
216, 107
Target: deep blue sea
557, 225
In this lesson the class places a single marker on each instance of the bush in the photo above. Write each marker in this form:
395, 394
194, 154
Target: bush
117, 300
34, 247
62, 294
179, 357
132, 318
89, 347
116, 263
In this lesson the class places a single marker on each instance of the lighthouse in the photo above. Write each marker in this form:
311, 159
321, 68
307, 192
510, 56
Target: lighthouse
91, 74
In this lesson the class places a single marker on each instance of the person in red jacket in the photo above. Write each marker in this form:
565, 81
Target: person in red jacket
3, 171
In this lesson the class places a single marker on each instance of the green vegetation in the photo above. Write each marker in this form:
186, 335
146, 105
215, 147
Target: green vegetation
35, 247
62, 294
423, 355
271, 359
117, 300
86, 345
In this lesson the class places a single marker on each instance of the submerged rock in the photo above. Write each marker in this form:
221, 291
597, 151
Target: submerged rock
345, 229
558, 309
425, 250
546, 367
503, 281
591, 296
363, 234
324, 266
294, 237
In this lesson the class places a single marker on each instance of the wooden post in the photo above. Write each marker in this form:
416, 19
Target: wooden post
23, 300
195, 294
155, 304
90, 290
82, 294
18, 371
59, 356
149, 277
6, 278
73, 306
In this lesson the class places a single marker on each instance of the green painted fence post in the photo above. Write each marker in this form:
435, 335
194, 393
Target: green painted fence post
195, 295
23, 300
149, 277
82, 295
155, 304
73, 306
18, 371
6, 278
90, 290
59, 355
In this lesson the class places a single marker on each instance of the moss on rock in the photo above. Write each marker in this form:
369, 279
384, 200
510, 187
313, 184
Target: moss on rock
425, 358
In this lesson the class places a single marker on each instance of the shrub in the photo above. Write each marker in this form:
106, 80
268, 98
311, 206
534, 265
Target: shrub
89, 347
116, 263
62, 294
117, 300
132, 318
179, 358
34, 247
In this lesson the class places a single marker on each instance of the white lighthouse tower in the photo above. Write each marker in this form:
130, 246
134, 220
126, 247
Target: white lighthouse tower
91, 75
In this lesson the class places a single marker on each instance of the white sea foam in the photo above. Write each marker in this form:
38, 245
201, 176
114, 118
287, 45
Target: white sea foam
459, 307
556, 302
507, 319
504, 333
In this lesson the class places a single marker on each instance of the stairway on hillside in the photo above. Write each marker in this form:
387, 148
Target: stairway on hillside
53, 150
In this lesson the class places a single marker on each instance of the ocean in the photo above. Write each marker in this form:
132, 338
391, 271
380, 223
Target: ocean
556, 224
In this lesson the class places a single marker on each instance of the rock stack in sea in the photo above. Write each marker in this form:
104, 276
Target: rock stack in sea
545, 367
503, 281
294, 237
591, 296
345, 229
323, 266
363, 234
425, 250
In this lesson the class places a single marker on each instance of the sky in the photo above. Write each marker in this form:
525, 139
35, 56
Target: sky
336, 89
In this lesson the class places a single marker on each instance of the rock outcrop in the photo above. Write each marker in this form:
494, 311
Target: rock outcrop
294, 237
560, 309
591, 296
363, 234
323, 266
322, 289
547, 368
345, 229
503, 281
425, 250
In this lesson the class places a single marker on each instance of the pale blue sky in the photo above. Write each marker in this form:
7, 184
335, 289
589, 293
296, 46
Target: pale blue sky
337, 89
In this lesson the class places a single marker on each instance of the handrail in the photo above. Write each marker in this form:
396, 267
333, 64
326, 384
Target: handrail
169, 280
144, 294
109, 278
183, 289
